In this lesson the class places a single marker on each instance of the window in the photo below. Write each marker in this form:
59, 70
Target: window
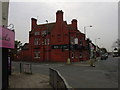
37, 33
44, 33
72, 55
76, 40
36, 41
72, 40
36, 54
46, 41
81, 55
81, 43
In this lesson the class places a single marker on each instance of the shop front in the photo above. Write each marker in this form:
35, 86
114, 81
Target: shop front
7, 38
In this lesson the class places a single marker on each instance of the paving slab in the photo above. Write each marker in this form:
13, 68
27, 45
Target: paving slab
22, 80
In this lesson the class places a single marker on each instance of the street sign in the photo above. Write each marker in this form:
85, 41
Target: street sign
60, 46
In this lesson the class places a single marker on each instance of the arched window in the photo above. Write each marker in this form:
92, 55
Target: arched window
76, 40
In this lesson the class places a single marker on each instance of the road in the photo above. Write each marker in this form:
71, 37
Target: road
104, 75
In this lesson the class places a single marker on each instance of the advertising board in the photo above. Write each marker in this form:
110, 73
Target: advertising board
7, 37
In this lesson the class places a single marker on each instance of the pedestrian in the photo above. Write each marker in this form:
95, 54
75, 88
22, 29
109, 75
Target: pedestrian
92, 59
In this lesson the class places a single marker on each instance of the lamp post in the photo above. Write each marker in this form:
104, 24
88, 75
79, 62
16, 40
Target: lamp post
47, 41
85, 29
96, 40
96, 49
68, 60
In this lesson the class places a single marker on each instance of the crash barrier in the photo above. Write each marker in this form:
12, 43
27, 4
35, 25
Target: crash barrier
57, 81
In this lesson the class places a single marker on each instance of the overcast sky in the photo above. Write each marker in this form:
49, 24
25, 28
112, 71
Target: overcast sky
103, 16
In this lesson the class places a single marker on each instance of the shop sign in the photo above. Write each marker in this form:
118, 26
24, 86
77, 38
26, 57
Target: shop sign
7, 37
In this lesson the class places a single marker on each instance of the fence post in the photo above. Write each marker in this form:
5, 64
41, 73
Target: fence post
20, 68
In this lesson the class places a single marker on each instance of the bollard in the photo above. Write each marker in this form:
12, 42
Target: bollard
68, 61
92, 63
20, 68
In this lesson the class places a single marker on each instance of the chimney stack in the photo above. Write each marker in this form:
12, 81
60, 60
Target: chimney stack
59, 16
74, 23
33, 23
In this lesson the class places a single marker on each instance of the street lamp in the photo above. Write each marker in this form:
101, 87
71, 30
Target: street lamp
68, 60
96, 40
47, 41
96, 49
85, 29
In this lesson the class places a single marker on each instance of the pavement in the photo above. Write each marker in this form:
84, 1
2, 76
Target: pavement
37, 80
23, 80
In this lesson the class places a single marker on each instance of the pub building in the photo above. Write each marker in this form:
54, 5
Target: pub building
55, 42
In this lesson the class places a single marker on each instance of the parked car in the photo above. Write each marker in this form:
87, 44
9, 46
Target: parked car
104, 56
115, 54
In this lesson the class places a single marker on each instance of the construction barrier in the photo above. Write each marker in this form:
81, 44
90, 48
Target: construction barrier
57, 81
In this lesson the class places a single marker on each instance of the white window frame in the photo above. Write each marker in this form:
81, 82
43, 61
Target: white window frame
76, 40
36, 54
37, 41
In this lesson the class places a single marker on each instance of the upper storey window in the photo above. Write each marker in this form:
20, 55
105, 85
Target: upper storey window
37, 33
36, 41
44, 33
76, 40
72, 40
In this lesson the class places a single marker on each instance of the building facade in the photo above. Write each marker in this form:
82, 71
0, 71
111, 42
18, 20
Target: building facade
55, 42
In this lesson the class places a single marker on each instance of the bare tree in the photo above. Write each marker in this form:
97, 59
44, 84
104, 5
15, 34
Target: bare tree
116, 44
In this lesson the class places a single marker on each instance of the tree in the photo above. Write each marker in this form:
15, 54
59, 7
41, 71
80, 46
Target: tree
116, 44
18, 45
14, 52
103, 50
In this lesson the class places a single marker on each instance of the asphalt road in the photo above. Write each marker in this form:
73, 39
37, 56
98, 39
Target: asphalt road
104, 75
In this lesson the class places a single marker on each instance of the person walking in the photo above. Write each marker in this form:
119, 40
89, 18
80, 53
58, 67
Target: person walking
93, 58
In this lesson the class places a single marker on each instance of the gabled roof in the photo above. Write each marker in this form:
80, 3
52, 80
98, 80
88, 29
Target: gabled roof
69, 27
50, 26
25, 46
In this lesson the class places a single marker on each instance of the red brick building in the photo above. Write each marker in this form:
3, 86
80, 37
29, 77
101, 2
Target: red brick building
56, 42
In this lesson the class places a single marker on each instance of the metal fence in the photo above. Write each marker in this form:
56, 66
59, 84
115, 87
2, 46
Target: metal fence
57, 81
22, 67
